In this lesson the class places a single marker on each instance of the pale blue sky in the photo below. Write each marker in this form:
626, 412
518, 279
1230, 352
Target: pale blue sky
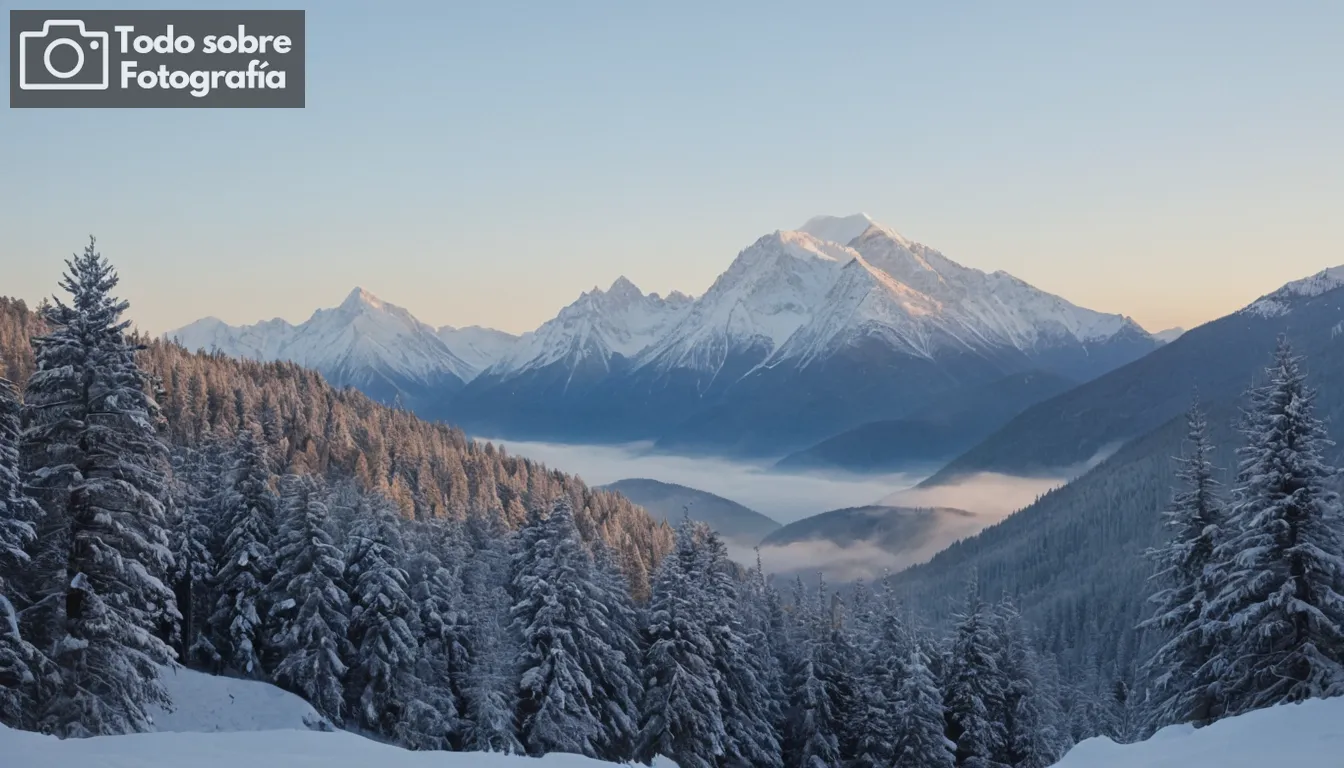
483, 162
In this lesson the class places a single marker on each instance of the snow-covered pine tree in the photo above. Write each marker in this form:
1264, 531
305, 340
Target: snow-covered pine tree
246, 562
1279, 616
812, 733
568, 665
439, 630
973, 691
193, 563
620, 687
1178, 675
97, 468
886, 649
920, 728
310, 608
490, 692
680, 718
1029, 732
751, 738
18, 657
382, 684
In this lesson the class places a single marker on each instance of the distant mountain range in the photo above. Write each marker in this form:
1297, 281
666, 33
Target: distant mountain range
809, 333
739, 525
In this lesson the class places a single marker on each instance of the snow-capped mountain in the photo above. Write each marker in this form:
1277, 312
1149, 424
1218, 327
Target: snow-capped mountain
599, 326
365, 343
769, 290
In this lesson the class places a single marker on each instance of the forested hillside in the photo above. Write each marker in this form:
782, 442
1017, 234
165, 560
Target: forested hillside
431, 471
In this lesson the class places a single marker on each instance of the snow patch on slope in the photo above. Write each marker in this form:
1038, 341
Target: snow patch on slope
1309, 733
1280, 301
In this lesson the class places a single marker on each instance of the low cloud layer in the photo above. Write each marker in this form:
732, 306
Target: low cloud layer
787, 497
784, 497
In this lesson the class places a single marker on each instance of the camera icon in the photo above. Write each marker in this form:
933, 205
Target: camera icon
45, 58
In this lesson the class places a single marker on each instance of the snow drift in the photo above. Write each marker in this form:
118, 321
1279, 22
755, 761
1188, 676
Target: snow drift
1310, 733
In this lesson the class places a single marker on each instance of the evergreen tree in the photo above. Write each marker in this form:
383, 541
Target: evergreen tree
246, 563
1280, 616
437, 594
193, 562
310, 608
1029, 734
490, 692
1195, 518
18, 657
620, 687
751, 739
974, 685
920, 738
813, 729
383, 686
681, 717
567, 663
96, 462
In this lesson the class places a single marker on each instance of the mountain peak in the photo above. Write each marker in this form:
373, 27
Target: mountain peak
361, 298
623, 288
1276, 303
837, 229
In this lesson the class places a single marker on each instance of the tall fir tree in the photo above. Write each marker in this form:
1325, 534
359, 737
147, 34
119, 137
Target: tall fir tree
1279, 616
19, 659
442, 664
620, 684
813, 721
1030, 738
97, 468
1179, 677
740, 677
973, 690
920, 728
246, 561
193, 563
311, 609
383, 685
681, 718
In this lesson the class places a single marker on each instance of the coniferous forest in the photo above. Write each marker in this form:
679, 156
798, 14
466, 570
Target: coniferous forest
159, 507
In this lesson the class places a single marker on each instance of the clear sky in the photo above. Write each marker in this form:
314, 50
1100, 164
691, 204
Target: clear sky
484, 162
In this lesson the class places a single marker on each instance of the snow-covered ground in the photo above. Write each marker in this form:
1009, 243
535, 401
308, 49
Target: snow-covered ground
250, 749
204, 703
220, 722
1307, 734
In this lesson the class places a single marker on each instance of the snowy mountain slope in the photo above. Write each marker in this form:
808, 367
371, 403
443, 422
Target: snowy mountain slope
1310, 733
769, 290
256, 749
598, 326
1280, 302
478, 346
365, 343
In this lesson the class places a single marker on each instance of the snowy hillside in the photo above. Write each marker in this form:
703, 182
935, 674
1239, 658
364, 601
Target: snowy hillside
257, 749
1306, 734
218, 722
